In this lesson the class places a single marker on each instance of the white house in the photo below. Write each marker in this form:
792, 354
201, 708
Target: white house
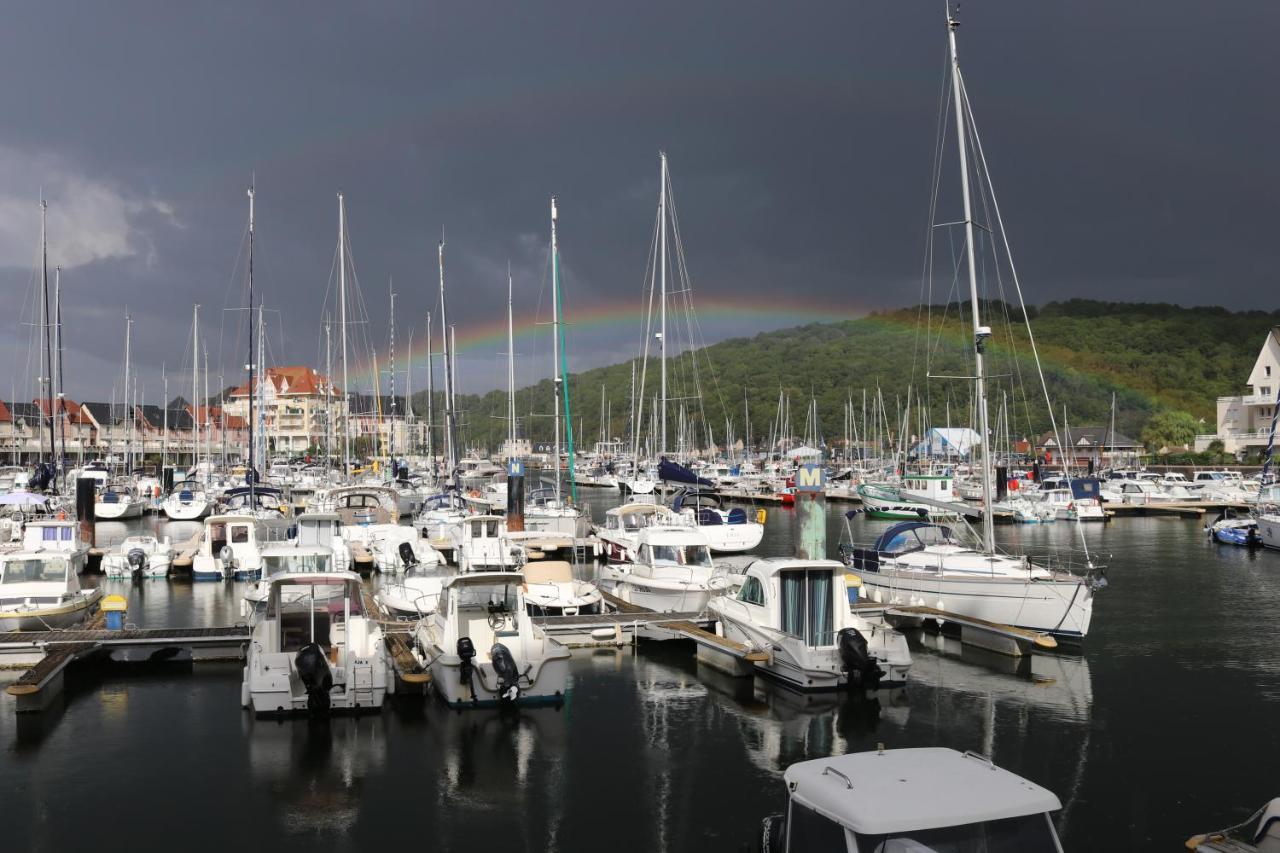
1245, 422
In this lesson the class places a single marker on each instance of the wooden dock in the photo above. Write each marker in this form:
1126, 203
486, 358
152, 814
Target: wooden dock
992, 636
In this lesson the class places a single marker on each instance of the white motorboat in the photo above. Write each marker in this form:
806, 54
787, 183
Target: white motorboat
140, 556
396, 548
923, 564
39, 583
1258, 833
906, 800
118, 501
231, 547
544, 512
481, 544
312, 648
282, 558
729, 531
673, 571
884, 500
188, 501
620, 532
413, 595
798, 612
552, 590
482, 647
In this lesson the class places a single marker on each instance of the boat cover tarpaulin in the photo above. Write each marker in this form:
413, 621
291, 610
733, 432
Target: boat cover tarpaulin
672, 472
1084, 487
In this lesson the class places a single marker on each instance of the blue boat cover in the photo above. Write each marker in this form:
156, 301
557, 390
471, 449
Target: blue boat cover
671, 472
708, 517
1084, 487
737, 515
901, 527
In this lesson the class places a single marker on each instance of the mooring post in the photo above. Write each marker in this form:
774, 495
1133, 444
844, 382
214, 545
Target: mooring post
85, 509
515, 496
811, 512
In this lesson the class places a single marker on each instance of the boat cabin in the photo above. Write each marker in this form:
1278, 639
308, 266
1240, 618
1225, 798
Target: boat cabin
356, 505
243, 534
296, 558
318, 528
901, 538
485, 606
798, 597
937, 487
313, 608
35, 578
632, 517
676, 546
911, 799
51, 534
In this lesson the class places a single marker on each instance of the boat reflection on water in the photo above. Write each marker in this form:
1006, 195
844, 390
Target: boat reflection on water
315, 770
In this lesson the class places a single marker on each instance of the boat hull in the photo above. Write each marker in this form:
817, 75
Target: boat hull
546, 682
50, 618
103, 511
186, 510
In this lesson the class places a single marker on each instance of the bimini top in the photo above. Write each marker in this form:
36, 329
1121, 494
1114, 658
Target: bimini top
696, 499
900, 790
890, 538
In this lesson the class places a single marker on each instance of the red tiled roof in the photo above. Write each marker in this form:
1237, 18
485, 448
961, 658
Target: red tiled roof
298, 379
6, 416
68, 407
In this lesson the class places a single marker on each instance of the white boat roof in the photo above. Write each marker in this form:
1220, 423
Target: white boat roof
308, 577
640, 507
285, 549
673, 536
900, 790
485, 579
770, 566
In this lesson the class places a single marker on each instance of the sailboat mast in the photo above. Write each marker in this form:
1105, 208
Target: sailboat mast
391, 429
662, 304
558, 380
195, 387
511, 370
342, 332
450, 437
980, 332
47, 366
57, 374
328, 395
431, 394
252, 353
129, 413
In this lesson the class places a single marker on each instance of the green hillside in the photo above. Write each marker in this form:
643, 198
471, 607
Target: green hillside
1153, 357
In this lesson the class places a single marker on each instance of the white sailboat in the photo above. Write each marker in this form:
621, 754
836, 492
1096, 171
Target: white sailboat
919, 563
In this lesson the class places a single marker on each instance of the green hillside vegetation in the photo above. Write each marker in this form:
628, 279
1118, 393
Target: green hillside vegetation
1153, 357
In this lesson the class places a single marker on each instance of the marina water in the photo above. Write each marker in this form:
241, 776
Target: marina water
1164, 726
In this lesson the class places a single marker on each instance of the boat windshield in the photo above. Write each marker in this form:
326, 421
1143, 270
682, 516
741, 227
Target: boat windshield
917, 539
33, 571
682, 555
1025, 834
273, 563
495, 598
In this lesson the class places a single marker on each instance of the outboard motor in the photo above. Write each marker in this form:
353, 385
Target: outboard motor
137, 560
467, 671
504, 666
313, 669
407, 556
859, 666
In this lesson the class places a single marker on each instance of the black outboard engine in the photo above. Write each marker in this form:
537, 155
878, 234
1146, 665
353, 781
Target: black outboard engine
504, 666
313, 669
467, 671
407, 556
137, 560
859, 666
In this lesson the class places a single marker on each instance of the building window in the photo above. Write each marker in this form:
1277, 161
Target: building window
1265, 390
1266, 369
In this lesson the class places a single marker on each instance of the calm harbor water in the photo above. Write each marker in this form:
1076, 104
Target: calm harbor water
1163, 727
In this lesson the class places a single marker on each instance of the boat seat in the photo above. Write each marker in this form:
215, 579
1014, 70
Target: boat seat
548, 571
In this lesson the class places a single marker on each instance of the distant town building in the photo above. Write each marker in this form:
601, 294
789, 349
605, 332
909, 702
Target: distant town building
299, 407
1091, 444
1244, 422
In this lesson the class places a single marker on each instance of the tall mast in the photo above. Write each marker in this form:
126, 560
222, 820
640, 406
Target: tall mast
662, 266
562, 359
980, 332
450, 416
251, 475
408, 395
511, 370
328, 396
128, 399
47, 365
558, 380
262, 394
431, 394
57, 374
342, 332
453, 376
164, 429
195, 387
391, 432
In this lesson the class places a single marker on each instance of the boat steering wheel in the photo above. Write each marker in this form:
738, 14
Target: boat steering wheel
497, 619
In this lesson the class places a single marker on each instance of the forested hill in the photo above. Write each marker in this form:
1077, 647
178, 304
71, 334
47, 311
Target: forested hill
1153, 357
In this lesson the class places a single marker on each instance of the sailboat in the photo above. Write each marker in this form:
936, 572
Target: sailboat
189, 499
925, 563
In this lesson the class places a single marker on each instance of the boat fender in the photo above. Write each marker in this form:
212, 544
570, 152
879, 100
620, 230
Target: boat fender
466, 671
859, 666
317, 678
761, 515
504, 666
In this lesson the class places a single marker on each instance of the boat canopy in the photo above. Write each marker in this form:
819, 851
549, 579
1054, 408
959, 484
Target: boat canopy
695, 498
673, 472
905, 534
1085, 487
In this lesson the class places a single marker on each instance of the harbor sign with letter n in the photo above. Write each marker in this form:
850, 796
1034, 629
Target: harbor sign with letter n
515, 468
810, 478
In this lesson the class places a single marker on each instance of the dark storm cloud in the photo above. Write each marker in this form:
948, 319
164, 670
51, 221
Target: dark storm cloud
1130, 143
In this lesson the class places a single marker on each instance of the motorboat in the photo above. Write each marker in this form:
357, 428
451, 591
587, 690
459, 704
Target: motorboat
551, 590
231, 547
673, 571
728, 531
481, 544
40, 584
397, 548
413, 595
118, 501
257, 500
918, 563
188, 501
287, 557
482, 648
620, 533
544, 511
798, 612
139, 556
1258, 833
921, 799
312, 648
882, 500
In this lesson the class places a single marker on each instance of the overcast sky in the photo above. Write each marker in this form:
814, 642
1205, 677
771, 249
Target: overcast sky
1132, 144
